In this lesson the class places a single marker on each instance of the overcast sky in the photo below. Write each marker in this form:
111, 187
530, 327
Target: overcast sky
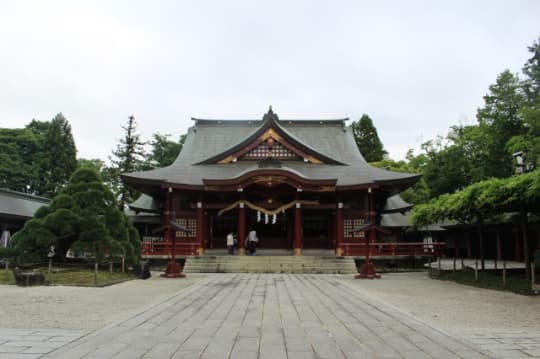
415, 67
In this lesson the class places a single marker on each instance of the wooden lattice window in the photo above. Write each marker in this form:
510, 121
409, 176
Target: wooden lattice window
350, 224
189, 223
276, 151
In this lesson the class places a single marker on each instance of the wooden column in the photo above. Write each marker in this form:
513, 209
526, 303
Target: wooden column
241, 229
367, 271
469, 244
173, 270
167, 215
200, 227
517, 245
339, 228
499, 245
297, 230
525, 243
481, 244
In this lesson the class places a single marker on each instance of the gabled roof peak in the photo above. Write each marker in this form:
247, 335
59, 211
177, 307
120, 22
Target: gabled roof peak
270, 115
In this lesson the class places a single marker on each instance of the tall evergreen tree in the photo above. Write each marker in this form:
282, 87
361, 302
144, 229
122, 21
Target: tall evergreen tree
529, 141
129, 156
500, 120
59, 156
367, 139
531, 69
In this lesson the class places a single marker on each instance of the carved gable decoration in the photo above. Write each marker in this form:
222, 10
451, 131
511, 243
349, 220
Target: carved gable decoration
270, 149
270, 145
271, 142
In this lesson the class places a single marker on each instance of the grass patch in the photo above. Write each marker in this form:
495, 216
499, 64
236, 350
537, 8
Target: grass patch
83, 277
515, 281
73, 276
6, 277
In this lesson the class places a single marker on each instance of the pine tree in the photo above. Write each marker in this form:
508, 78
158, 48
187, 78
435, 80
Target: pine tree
129, 156
85, 217
367, 139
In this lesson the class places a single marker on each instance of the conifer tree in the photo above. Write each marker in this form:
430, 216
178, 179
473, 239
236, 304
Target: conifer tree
129, 156
59, 156
85, 217
367, 139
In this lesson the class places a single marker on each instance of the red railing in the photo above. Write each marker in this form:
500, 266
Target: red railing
393, 249
157, 246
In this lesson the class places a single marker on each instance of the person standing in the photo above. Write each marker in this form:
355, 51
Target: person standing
230, 243
252, 242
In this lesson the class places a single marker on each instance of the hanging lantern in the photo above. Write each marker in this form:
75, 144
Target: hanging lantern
258, 216
274, 219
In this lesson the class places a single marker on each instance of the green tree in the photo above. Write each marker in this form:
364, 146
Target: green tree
129, 156
499, 121
419, 193
59, 156
163, 152
367, 139
85, 217
528, 141
445, 167
531, 69
18, 151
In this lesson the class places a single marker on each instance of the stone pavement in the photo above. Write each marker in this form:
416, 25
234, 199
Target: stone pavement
32, 343
269, 316
510, 344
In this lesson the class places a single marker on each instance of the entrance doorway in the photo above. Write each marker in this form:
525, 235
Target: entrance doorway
271, 235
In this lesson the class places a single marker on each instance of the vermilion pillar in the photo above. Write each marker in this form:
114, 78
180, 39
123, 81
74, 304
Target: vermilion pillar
241, 229
200, 227
297, 230
368, 269
339, 228
173, 270
167, 215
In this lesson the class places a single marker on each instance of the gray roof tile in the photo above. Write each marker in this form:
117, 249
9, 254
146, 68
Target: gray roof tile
211, 137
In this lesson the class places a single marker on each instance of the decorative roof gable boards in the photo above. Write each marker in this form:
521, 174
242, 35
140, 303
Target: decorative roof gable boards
271, 141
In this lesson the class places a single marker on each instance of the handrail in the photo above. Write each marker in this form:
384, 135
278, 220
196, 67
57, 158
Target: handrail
392, 248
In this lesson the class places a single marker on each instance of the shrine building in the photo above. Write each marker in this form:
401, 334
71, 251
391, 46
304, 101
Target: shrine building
301, 184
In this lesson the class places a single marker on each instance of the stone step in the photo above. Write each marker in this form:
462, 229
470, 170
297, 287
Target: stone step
269, 264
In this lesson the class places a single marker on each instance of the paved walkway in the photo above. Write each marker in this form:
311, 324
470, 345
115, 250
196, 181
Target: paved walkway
267, 316
31, 343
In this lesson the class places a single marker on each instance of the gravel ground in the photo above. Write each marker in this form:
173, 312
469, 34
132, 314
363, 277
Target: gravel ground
83, 308
451, 307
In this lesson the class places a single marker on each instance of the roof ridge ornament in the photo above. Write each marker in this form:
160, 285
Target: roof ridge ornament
270, 115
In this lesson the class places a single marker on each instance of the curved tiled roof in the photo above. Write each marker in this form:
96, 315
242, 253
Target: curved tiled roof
20, 205
330, 138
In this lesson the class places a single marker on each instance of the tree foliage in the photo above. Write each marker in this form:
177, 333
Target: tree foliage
531, 70
419, 193
84, 217
163, 151
18, 151
499, 120
129, 156
367, 139
58, 157
39, 158
489, 197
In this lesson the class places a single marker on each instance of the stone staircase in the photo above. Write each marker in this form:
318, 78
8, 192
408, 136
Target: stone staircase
270, 264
